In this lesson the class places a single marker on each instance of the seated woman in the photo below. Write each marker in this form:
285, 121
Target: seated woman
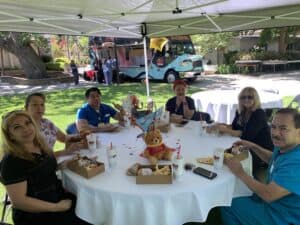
182, 107
249, 123
28, 171
35, 106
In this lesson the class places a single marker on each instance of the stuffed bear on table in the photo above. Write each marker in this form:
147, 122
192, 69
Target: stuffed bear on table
156, 149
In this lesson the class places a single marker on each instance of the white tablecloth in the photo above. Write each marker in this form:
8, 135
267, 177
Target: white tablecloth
222, 104
112, 198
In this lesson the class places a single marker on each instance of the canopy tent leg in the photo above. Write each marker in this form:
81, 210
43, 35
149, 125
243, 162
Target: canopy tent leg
146, 67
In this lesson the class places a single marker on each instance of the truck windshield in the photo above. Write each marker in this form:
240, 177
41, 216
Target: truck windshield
182, 47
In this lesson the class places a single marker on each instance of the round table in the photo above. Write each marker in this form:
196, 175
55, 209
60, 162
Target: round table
113, 198
222, 104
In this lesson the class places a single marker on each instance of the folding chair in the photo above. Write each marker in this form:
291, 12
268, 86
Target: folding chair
6, 205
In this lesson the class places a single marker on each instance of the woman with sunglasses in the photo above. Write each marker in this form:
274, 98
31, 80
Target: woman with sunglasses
28, 171
249, 123
35, 106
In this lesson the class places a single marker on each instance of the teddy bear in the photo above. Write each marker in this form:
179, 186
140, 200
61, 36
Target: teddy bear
156, 149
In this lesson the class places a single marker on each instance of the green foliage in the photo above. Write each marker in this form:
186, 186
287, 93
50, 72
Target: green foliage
56, 66
262, 55
62, 60
227, 69
215, 41
230, 57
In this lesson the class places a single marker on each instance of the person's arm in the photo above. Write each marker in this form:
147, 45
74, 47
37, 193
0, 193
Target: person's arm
60, 136
262, 153
83, 125
188, 107
120, 117
17, 194
187, 112
268, 192
227, 129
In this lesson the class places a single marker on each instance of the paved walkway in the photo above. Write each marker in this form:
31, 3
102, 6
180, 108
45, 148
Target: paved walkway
285, 84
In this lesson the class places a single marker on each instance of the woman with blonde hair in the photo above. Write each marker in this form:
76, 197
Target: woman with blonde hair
249, 123
28, 171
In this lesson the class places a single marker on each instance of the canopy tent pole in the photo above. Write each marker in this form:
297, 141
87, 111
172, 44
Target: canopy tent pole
146, 66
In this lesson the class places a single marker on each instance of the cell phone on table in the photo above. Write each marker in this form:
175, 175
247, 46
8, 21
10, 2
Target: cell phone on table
205, 173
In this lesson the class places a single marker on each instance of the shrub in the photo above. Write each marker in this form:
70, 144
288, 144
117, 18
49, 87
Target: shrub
55, 66
230, 57
227, 69
62, 60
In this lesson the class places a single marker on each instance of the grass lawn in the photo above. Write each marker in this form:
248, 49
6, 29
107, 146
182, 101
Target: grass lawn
61, 106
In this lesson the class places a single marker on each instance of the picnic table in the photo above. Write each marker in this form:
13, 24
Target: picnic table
254, 64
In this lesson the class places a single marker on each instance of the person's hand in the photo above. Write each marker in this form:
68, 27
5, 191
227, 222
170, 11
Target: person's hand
188, 113
108, 127
222, 129
234, 165
244, 143
76, 146
63, 205
176, 118
211, 129
64, 164
122, 122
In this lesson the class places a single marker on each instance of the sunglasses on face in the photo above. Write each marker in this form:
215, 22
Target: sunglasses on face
249, 97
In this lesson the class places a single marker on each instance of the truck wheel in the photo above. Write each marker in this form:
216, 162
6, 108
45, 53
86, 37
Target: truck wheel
171, 76
192, 79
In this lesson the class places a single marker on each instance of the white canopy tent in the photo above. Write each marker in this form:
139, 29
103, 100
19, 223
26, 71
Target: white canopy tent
145, 18
153, 18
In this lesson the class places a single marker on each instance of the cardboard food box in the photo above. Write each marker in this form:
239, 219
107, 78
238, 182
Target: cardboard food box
86, 171
154, 179
241, 156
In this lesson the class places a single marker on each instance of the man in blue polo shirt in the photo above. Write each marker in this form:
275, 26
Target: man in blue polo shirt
276, 202
95, 115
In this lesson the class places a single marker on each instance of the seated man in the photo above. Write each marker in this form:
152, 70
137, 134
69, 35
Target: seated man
94, 115
277, 201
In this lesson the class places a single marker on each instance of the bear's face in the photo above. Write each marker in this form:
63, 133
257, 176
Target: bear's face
153, 137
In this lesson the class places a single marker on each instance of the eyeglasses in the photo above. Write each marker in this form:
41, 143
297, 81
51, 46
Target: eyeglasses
249, 97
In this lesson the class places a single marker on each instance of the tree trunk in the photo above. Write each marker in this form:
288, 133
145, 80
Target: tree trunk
33, 66
282, 41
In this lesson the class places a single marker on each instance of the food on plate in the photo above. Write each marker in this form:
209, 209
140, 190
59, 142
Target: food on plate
133, 170
86, 162
165, 171
228, 155
162, 171
145, 172
206, 160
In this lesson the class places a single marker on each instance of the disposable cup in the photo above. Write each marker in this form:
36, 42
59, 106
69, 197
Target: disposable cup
91, 140
218, 156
